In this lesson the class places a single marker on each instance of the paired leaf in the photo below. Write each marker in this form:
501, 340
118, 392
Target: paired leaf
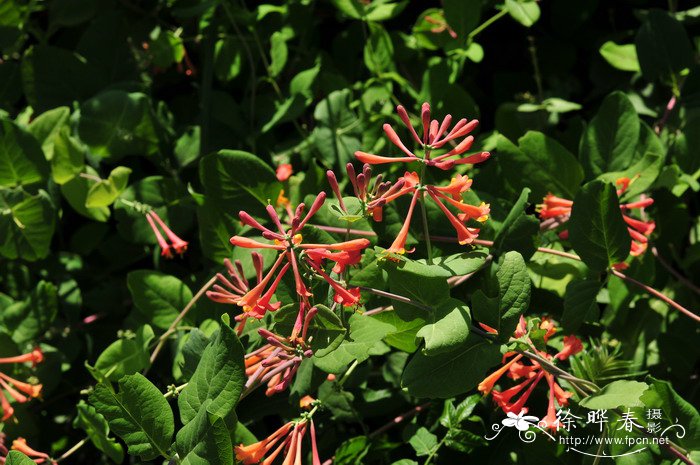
97, 429
138, 413
218, 381
158, 297
597, 231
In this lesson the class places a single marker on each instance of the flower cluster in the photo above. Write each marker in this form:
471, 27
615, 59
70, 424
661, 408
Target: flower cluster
19, 391
175, 245
435, 136
528, 375
555, 211
288, 439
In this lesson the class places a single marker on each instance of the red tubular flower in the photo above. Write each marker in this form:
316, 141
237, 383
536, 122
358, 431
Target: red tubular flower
34, 357
556, 211
514, 398
435, 136
283, 172
399, 244
373, 195
440, 24
176, 244
292, 250
287, 438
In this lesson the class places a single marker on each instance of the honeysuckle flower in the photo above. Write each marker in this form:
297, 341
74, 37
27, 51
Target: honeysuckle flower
556, 211
289, 242
20, 445
306, 402
236, 289
287, 438
439, 24
513, 399
373, 195
19, 391
450, 194
176, 244
435, 136
283, 172
276, 362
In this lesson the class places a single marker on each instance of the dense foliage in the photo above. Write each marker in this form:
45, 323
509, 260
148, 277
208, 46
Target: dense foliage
241, 232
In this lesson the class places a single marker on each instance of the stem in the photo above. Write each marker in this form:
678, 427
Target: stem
399, 419
72, 450
426, 233
180, 317
675, 273
486, 24
398, 298
435, 451
347, 373
177, 390
657, 294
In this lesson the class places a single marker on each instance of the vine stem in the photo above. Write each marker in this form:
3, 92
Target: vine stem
180, 317
426, 232
396, 297
72, 450
673, 271
399, 419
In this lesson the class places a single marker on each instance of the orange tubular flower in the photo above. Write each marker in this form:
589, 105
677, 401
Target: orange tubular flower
289, 242
287, 438
283, 172
176, 244
556, 211
19, 391
514, 398
20, 445
435, 136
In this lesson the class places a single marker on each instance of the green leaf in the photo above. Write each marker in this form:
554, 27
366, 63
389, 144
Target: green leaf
580, 303
159, 297
621, 393
663, 47
519, 231
609, 142
337, 135
526, 12
103, 193
423, 442
379, 51
462, 15
75, 192
204, 440
675, 410
138, 413
47, 126
448, 327
68, 159
353, 8
365, 339
443, 376
540, 163
278, 53
381, 11
27, 224
22, 162
233, 177
97, 430
597, 231
28, 319
503, 312
414, 280
17, 458
403, 335
126, 356
116, 123
218, 381
622, 57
